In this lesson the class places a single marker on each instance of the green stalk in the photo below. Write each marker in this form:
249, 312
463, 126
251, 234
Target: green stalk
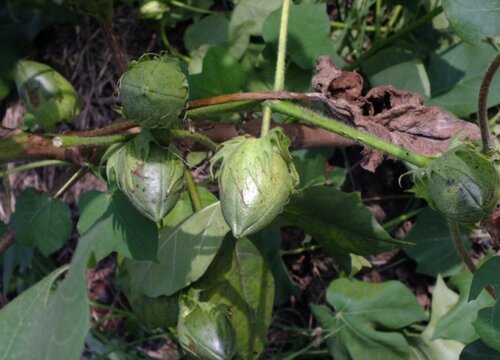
64, 141
394, 16
398, 220
34, 165
192, 190
71, 181
368, 28
194, 9
207, 111
316, 119
200, 138
279, 76
378, 18
169, 46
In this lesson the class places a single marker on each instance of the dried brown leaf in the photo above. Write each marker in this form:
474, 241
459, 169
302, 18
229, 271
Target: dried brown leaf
393, 115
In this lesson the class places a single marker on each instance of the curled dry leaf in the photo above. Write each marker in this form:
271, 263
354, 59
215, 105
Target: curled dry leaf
397, 116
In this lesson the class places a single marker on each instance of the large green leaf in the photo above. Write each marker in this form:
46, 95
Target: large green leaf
121, 227
184, 207
43, 323
386, 67
312, 172
215, 29
487, 324
154, 312
41, 221
479, 350
473, 20
241, 279
455, 75
211, 30
464, 311
254, 12
338, 221
366, 319
425, 346
268, 241
308, 33
184, 254
434, 250
221, 74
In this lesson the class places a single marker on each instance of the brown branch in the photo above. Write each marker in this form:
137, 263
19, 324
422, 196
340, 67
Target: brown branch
115, 128
18, 145
488, 145
248, 96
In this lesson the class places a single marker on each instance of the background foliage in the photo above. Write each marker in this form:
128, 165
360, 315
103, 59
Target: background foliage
357, 303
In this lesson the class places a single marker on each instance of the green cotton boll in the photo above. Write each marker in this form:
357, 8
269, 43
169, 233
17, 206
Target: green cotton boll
47, 95
205, 330
154, 92
255, 179
151, 176
462, 184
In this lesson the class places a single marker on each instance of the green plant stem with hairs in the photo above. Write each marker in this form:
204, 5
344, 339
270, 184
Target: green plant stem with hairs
279, 77
34, 165
65, 141
488, 145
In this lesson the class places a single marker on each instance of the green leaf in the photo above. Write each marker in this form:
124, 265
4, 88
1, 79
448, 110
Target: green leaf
455, 75
246, 285
184, 207
487, 324
16, 257
212, 30
487, 274
434, 250
308, 33
21, 317
479, 350
426, 346
41, 221
312, 172
254, 12
464, 311
221, 74
338, 221
154, 312
184, 254
215, 29
268, 241
386, 67
46, 94
121, 227
473, 21
43, 323
366, 319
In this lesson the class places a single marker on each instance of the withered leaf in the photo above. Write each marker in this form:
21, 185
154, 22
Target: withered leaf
397, 116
